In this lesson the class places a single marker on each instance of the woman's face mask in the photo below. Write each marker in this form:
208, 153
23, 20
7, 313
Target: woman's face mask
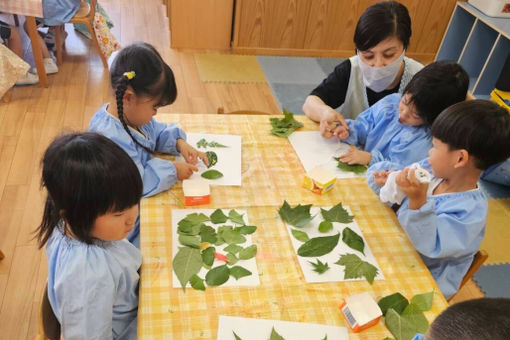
379, 78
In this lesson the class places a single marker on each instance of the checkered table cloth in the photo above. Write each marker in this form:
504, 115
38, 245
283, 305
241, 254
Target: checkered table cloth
22, 7
271, 173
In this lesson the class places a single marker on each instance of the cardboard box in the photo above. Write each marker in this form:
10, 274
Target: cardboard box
196, 192
319, 180
361, 311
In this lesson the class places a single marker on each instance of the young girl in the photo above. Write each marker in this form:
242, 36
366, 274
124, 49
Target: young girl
445, 220
396, 128
93, 193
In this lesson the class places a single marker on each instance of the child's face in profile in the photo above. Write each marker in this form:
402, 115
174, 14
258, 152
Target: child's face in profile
114, 226
441, 159
407, 114
141, 110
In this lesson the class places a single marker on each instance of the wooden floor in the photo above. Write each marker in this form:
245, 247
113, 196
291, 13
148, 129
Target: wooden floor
35, 115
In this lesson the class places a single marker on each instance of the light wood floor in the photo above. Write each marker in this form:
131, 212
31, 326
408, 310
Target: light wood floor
35, 115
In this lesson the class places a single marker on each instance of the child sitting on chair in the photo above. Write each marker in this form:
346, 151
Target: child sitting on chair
445, 219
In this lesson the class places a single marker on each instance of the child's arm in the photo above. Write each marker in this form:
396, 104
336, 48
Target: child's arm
405, 150
360, 127
378, 168
166, 136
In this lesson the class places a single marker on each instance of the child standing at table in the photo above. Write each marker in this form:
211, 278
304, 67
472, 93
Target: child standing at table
93, 193
397, 128
445, 220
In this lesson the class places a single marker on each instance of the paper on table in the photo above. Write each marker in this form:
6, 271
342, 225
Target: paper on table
313, 150
229, 159
251, 264
257, 329
335, 272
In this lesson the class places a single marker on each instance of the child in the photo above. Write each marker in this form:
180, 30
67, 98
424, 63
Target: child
445, 220
396, 128
478, 319
93, 193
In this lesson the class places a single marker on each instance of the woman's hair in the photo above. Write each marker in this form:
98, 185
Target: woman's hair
478, 319
480, 127
435, 87
380, 21
86, 176
152, 78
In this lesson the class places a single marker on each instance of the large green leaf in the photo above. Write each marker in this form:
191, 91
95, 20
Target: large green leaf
355, 168
319, 267
218, 216
337, 214
236, 217
423, 301
414, 315
356, 268
400, 327
300, 235
217, 276
298, 216
285, 126
275, 335
208, 256
197, 282
318, 246
238, 272
396, 301
353, 240
187, 262
212, 174
248, 252
190, 241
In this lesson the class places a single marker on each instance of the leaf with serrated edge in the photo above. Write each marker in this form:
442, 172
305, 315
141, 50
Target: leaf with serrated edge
325, 226
187, 262
298, 216
197, 282
248, 252
299, 235
353, 240
423, 301
218, 216
318, 246
238, 272
235, 217
355, 268
217, 276
337, 214
275, 335
319, 267
396, 301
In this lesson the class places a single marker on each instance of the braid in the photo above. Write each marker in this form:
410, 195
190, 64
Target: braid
119, 95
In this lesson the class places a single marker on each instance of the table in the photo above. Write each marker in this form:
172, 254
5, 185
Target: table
271, 173
30, 9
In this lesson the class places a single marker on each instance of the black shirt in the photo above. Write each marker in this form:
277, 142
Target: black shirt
333, 89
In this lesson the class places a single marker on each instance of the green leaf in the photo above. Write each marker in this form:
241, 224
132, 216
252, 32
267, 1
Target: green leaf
355, 168
318, 246
195, 218
187, 262
319, 267
190, 241
325, 226
232, 248
208, 234
212, 158
400, 327
299, 235
212, 174
298, 216
388, 338
275, 335
188, 228
203, 143
423, 301
246, 229
414, 315
238, 272
325, 337
356, 268
395, 301
236, 217
218, 216
217, 276
285, 126
248, 252
236, 336
233, 237
208, 256
232, 259
197, 282
353, 240
337, 214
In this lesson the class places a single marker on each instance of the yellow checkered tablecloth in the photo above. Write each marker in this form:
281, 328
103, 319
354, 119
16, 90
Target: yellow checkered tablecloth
271, 173
22, 7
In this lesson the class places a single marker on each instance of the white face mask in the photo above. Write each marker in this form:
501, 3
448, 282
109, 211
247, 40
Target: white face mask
379, 78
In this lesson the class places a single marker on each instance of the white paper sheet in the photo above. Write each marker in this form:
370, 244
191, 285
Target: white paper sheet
251, 265
336, 272
229, 159
260, 329
313, 150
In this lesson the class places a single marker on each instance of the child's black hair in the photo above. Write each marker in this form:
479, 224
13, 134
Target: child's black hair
480, 127
380, 21
478, 319
152, 78
435, 87
86, 175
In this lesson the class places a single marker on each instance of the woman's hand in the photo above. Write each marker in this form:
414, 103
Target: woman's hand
380, 177
355, 156
190, 154
416, 191
328, 124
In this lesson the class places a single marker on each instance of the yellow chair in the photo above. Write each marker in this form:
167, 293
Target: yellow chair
49, 327
479, 258
84, 16
221, 110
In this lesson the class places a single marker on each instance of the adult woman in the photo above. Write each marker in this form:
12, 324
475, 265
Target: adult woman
379, 68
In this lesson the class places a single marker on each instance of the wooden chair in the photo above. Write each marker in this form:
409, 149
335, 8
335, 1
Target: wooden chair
221, 110
84, 16
1, 255
49, 327
479, 258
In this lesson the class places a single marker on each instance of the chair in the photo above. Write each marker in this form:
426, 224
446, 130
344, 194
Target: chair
49, 327
221, 110
479, 258
84, 16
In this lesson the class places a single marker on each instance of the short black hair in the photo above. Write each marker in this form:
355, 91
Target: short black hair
480, 127
380, 21
437, 86
478, 319
86, 175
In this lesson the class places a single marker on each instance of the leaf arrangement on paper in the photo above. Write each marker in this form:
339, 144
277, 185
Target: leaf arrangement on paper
355, 168
273, 336
203, 143
285, 126
200, 246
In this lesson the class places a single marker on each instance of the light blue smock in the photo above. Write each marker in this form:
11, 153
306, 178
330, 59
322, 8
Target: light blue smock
58, 12
93, 289
378, 131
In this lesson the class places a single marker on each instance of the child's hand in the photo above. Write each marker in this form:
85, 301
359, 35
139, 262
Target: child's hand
355, 156
184, 170
380, 177
416, 191
341, 132
190, 154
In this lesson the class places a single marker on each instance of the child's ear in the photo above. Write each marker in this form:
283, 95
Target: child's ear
129, 96
462, 158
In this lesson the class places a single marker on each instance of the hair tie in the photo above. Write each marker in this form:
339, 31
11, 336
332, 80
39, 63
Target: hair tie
129, 75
